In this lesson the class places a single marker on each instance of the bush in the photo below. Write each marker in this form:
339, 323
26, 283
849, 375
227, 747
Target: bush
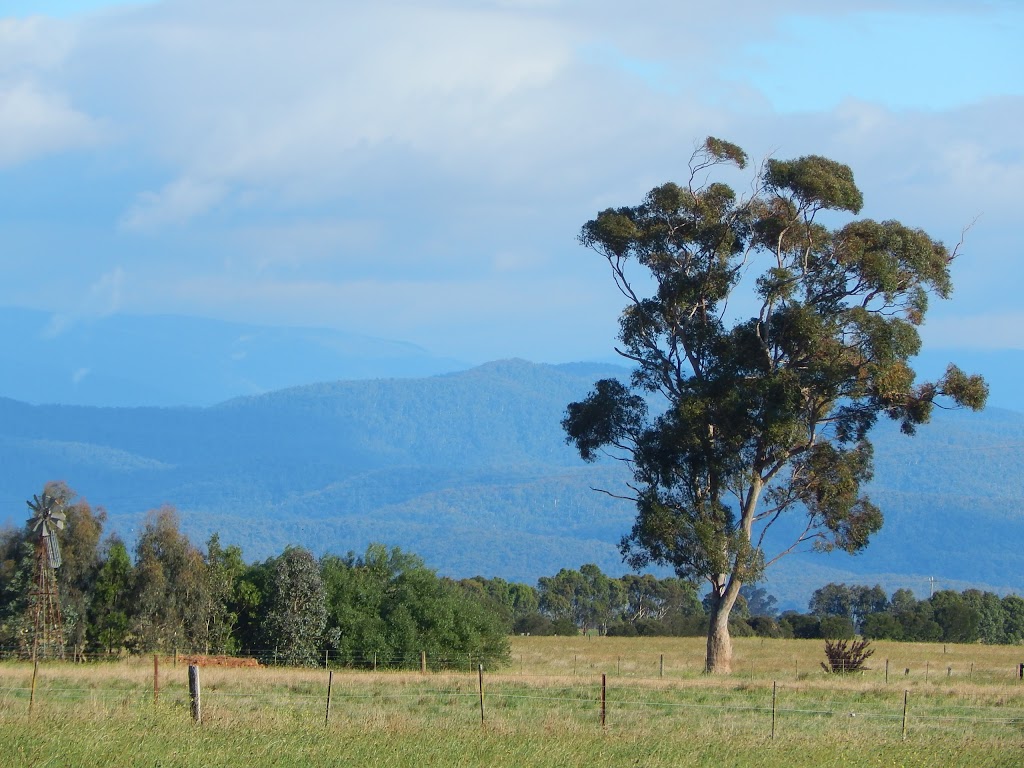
846, 656
764, 626
622, 629
801, 625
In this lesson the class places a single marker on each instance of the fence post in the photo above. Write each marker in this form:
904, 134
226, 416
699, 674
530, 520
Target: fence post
480, 671
774, 684
330, 682
374, 661
156, 678
906, 694
194, 694
886, 671
604, 699
32, 692
327, 656
661, 666
423, 662
926, 665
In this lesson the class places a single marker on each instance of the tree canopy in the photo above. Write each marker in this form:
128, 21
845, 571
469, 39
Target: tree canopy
768, 347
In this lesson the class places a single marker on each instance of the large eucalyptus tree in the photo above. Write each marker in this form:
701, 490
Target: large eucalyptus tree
771, 340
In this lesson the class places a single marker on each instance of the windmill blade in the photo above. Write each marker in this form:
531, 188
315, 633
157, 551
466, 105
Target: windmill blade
59, 519
53, 551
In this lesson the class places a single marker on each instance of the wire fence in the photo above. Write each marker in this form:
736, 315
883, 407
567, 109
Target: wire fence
640, 666
526, 701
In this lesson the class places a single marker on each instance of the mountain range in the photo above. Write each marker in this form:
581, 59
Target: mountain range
470, 471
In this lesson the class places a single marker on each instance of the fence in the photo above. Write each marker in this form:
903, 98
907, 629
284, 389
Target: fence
866, 708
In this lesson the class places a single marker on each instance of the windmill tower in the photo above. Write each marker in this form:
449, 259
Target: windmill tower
44, 601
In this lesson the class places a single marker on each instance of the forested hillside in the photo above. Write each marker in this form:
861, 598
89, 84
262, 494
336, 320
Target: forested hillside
471, 472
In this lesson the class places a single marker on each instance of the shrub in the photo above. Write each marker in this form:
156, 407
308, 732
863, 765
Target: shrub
846, 656
622, 629
764, 626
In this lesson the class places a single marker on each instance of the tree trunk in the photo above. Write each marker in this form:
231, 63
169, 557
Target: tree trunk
719, 660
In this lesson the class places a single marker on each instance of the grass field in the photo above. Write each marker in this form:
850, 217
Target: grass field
965, 707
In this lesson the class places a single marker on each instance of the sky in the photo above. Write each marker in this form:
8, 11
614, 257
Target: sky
420, 170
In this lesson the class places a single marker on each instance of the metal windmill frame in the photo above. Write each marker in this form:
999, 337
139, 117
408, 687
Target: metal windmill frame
44, 597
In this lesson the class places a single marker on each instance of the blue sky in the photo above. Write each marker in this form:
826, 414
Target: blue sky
419, 170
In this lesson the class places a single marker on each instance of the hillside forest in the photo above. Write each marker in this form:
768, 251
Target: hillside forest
384, 607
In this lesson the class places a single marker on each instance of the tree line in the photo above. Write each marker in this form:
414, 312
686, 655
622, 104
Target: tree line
384, 607
166, 595
973, 615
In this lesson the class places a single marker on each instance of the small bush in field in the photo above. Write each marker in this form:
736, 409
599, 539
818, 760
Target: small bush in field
846, 655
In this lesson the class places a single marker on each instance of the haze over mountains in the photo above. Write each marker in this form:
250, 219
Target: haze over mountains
469, 469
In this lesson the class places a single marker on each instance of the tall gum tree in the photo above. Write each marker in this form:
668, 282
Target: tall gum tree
728, 424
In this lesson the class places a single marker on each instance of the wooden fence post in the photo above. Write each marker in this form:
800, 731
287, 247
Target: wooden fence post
774, 683
32, 692
330, 681
480, 670
423, 662
156, 678
604, 697
194, 693
661, 666
906, 694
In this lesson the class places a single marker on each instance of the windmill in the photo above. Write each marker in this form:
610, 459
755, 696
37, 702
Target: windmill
44, 601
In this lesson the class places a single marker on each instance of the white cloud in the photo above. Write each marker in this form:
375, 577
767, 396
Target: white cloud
36, 122
176, 203
36, 114
428, 164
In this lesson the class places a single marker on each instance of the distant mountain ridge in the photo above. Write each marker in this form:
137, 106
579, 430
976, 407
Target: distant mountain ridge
470, 470
121, 360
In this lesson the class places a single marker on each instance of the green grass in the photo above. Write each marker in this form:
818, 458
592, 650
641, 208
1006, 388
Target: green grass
538, 712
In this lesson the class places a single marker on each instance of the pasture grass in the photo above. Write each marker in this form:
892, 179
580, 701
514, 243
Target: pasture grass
541, 710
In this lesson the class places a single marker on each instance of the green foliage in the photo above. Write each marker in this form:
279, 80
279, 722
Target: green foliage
168, 582
542, 626
800, 625
387, 605
111, 605
296, 609
770, 414
837, 628
958, 619
765, 626
759, 602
